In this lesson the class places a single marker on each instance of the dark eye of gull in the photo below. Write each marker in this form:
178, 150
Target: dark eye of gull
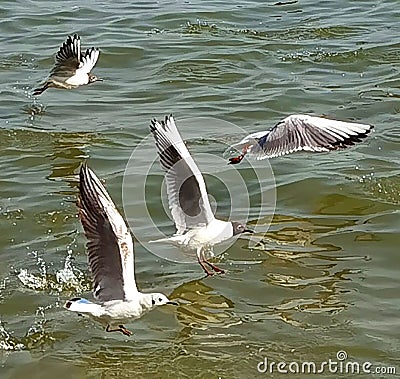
159, 299
153, 301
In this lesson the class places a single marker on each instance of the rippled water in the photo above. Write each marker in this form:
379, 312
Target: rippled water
323, 277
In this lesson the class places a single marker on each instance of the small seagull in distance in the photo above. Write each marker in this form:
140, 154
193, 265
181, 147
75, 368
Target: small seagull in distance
72, 68
196, 227
111, 260
300, 132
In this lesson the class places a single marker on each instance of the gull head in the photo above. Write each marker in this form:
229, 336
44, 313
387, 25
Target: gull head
160, 299
247, 145
94, 78
239, 228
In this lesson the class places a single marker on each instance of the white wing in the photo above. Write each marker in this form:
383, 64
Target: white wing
303, 132
110, 246
88, 61
187, 193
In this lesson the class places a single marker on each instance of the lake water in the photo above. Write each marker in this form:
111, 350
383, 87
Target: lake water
323, 275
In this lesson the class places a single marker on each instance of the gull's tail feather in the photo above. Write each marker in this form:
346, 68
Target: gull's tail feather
38, 91
81, 305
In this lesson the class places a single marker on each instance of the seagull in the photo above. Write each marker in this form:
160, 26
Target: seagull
111, 255
300, 132
196, 227
72, 68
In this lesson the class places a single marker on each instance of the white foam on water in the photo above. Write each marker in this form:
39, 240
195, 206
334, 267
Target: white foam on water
67, 274
32, 281
7, 342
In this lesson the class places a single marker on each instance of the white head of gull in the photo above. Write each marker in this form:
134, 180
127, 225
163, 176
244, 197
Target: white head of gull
300, 133
72, 68
196, 227
111, 261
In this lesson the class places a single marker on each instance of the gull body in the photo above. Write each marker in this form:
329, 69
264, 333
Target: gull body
214, 232
300, 133
111, 260
72, 67
196, 227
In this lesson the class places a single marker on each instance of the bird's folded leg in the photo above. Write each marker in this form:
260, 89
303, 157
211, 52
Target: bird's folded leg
124, 331
121, 329
202, 260
212, 265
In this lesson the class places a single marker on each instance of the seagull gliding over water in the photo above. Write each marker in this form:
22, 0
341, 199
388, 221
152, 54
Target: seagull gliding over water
300, 132
72, 68
111, 260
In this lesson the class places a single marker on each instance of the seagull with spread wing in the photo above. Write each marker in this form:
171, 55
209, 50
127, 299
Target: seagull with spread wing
111, 260
72, 68
196, 227
300, 133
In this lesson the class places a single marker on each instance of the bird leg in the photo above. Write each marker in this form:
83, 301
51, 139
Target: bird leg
121, 329
202, 260
214, 267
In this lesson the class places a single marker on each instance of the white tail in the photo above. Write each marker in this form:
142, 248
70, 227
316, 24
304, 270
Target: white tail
81, 305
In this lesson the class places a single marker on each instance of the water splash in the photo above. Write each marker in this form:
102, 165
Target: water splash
37, 336
31, 281
200, 27
386, 189
8, 342
68, 278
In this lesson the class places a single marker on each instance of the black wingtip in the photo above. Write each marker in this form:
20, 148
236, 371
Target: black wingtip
74, 37
168, 117
163, 123
83, 174
83, 168
153, 123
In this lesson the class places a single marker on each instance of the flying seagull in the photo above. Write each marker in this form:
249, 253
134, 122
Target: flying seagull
196, 227
111, 255
300, 132
72, 68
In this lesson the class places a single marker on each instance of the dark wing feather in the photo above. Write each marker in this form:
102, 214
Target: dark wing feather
68, 58
187, 194
70, 49
105, 258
